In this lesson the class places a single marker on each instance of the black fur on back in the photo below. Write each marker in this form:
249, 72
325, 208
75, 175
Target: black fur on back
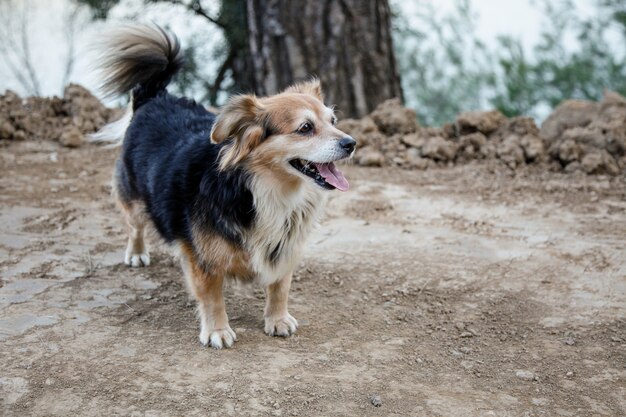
169, 163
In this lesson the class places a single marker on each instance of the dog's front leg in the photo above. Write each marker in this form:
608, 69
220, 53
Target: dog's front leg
207, 290
278, 321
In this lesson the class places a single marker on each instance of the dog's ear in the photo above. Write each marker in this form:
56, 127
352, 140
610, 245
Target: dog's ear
235, 117
240, 120
311, 87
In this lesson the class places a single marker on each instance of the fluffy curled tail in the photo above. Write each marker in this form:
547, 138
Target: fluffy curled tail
141, 59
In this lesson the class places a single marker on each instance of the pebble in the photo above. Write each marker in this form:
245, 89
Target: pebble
525, 375
376, 401
569, 374
456, 354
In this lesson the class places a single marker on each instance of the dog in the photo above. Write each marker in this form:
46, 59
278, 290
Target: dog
235, 193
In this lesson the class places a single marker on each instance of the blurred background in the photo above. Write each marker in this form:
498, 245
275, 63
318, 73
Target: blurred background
520, 57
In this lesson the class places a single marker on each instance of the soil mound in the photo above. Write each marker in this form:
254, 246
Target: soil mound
578, 136
65, 119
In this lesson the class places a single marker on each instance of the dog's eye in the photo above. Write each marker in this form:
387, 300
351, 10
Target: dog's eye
305, 128
334, 121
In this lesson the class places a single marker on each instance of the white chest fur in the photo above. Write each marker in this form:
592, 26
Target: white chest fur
282, 225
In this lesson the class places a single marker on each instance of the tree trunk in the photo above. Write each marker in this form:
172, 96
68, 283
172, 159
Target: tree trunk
345, 43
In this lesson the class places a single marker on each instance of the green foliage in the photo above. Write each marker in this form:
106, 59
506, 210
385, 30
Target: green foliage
556, 73
445, 68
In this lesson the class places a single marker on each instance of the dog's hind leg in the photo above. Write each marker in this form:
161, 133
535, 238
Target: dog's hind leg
206, 288
136, 251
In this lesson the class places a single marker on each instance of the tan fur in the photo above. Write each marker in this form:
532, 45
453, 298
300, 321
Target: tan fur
207, 289
221, 256
312, 88
137, 221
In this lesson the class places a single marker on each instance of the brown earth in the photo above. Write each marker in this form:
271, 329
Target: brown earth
465, 291
578, 136
493, 283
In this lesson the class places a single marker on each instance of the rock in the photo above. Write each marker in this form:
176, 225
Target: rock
569, 114
525, 375
592, 162
473, 146
413, 140
369, 157
376, 400
415, 161
511, 152
456, 354
569, 341
439, 149
590, 137
447, 131
566, 151
7, 131
71, 137
485, 122
600, 162
573, 167
611, 99
392, 118
522, 126
533, 148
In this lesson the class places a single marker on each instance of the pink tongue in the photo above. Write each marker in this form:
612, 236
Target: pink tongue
333, 176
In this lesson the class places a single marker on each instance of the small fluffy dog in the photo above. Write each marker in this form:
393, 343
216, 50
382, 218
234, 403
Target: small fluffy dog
237, 194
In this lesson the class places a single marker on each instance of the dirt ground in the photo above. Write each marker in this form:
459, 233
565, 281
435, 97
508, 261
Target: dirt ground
465, 291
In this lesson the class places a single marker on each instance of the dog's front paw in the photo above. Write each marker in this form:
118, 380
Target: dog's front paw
283, 326
218, 338
137, 259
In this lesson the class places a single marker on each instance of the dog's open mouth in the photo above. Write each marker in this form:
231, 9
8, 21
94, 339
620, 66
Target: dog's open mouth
326, 175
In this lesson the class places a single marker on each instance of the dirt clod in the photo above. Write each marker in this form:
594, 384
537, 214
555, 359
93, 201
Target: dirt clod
392, 118
483, 122
376, 400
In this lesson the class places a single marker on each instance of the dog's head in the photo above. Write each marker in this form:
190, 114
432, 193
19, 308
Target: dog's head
290, 137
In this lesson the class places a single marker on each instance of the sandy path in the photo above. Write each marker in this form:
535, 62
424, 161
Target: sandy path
456, 292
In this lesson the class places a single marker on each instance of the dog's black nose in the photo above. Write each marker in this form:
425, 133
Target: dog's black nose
348, 144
